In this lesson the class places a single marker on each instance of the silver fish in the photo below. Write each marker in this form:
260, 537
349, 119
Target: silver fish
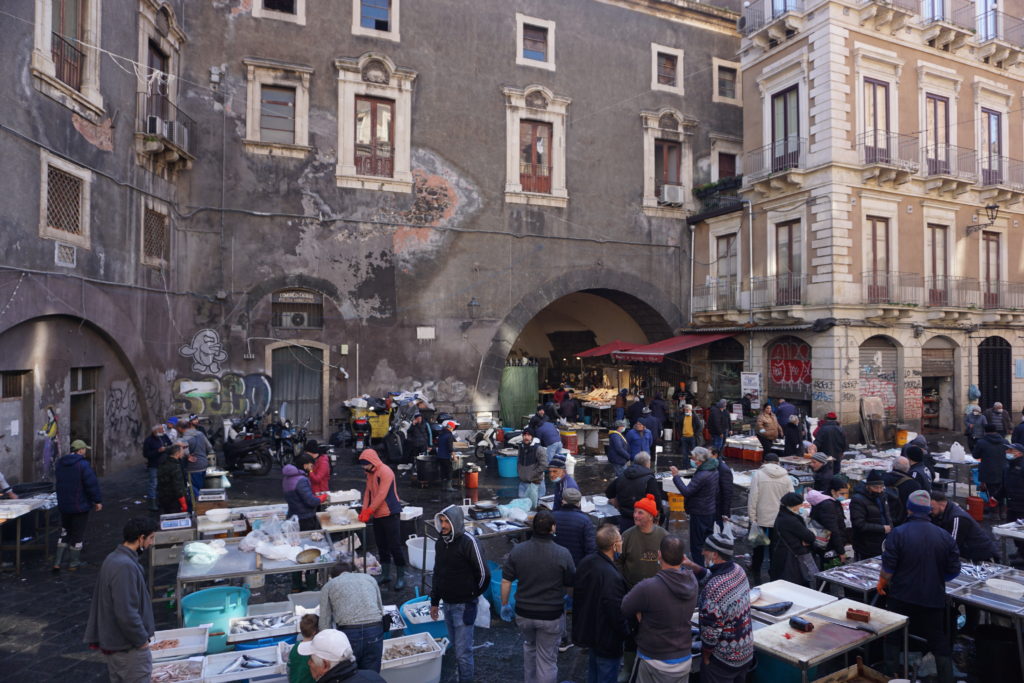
235, 666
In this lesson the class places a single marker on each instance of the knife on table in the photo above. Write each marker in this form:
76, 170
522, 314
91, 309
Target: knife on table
847, 624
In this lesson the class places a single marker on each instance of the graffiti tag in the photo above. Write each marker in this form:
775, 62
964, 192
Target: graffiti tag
222, 396
789, 366
122, 411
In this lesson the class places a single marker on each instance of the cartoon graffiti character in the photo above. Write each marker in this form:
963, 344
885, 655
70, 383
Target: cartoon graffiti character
206, 352
50, 433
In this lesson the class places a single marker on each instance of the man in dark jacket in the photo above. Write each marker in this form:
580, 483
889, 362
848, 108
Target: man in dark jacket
549, 438
899, 484
418, 439
560, 477
701, 498
991, 451
460, 577
544, 570
791, 540
331, 659
652, 424
171, 491
597, 621
870, 518
618, 448
659, 408
1014, 488
784, 410
822, 472
570, 407
1018, 431
998, 418
298, 493
973, 542
121, 614
918, 470
723, 502
793, 436
831, 440
575, 531
635, 410
719, 424
78, 492
919, 559
445, 449
531, 466
153, 449
639, 439
634, 484
663, 606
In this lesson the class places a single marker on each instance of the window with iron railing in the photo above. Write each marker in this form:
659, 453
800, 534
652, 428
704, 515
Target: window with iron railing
535, 156
375, 133
67, 26
12, 384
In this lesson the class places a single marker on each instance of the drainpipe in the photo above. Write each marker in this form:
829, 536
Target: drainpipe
693, 229
750, 281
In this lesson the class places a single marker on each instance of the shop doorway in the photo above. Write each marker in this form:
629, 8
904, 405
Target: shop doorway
726, 359
879, 369
82, 412
994, 373
938, 379
297, 378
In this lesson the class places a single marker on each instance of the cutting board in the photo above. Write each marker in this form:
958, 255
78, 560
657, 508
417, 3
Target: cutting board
823, 639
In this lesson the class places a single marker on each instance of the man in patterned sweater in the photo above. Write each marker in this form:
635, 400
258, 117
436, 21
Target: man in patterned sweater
724, 606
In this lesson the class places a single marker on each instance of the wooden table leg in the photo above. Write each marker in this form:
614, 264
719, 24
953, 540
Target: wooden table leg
17, 547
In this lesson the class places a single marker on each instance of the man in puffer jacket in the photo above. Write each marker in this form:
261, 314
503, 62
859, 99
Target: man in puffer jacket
701, 498
381, 504
618, 448
573, 529
870, 518
78, 492
767, 487
299, 494
461, 575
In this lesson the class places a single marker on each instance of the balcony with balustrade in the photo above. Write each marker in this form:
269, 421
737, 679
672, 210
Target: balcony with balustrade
891, 295
948, 169
1001, 179
887, 15
778, 167
767, 23
947, 24
772, 295
714, 302
950, 298
164, 133
1000, 38
888, 158
68, 61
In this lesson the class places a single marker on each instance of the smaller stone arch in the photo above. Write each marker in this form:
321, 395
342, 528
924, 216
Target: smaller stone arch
941, 392
789, 369
538, 97
880, 376
375, 67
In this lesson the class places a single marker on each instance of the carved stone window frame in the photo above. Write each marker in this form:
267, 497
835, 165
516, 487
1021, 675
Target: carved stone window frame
88, 101
678, 88
653, 130
535, 103
374, 75
262, 72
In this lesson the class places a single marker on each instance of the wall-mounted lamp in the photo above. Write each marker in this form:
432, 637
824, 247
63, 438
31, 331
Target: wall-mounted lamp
991, 212
474, 308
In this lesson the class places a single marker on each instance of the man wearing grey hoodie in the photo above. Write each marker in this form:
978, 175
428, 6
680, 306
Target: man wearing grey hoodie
460, 577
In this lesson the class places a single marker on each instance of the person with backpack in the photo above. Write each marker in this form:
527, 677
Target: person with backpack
899, 484
827, 512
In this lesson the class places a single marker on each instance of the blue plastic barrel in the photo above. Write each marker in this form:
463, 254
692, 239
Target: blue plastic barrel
496, 588
216, 606
507, 466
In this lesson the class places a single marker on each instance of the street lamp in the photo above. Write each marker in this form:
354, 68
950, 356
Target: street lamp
474, 308
991, 212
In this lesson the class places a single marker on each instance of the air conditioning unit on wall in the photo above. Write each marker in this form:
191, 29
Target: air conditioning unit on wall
672, 195
295, 319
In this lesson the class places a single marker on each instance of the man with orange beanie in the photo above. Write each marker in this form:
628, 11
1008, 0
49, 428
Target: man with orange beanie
381, 504
641, 542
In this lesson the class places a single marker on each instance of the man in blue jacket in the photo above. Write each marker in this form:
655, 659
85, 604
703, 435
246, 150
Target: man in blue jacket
639, 439
549, 437
917, 561
701, 499
78, 492
560, 477
618, 448
972, 541
574, 530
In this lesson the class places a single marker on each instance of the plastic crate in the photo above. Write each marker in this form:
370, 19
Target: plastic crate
419, 668
191, 641
417, 625
215, 664
266, 633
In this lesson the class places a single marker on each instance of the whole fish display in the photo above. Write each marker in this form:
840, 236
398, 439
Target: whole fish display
774, 609
251, 624
246, 662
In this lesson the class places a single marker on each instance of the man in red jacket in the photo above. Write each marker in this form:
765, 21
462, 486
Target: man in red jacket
381, 504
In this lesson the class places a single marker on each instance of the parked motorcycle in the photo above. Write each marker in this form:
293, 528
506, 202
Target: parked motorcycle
245, 448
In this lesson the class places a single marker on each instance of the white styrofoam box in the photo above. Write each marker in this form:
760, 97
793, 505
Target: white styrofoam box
198, 663
215, 664
285, 630
419, 668
256, 610
191, 641
308, 600
411, 512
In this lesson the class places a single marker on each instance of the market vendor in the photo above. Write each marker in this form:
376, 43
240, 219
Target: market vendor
560, 478
445, 449
298, 493
381, 504
419, 437
919, 558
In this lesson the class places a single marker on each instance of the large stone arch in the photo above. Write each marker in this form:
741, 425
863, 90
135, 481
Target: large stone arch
654, 312
295, 280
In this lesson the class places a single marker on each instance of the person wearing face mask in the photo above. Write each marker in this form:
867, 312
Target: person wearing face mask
974, 426
701, 498
597, 622
560, 478
381, 504
1014, 483
827, 510
973, 542
998, 418
870, 517
791, 539
121, 613
723, 606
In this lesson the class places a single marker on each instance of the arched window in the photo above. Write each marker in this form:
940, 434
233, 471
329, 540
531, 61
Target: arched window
297, 309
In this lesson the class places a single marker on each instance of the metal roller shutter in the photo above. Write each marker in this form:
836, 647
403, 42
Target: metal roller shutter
879, 364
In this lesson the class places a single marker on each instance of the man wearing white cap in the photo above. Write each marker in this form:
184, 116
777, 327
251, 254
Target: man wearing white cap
331, 659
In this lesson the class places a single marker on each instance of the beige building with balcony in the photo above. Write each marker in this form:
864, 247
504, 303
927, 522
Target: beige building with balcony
878, 139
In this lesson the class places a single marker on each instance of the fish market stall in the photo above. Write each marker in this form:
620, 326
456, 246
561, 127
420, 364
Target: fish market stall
962, 466
863, 576
1006, 533
777, 601
14, 511
229, 561
832, 634
1002, 594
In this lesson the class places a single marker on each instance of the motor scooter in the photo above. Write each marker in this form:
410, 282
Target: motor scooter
244, 448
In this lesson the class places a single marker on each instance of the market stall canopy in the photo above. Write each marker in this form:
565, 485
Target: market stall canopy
656, 352
605, 349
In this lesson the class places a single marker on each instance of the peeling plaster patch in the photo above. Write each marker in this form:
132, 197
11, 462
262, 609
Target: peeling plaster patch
237, 6
447, 390
99, 135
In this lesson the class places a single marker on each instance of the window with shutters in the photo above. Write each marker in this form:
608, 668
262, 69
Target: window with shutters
12, 384
376, 18
666, 69
277, 109
535, 149
64, 201
535, 157
726, 165
297, 309
292, 11
535, 42
156, 237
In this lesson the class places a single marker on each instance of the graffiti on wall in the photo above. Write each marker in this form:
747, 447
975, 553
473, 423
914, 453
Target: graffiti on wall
124, 420
879, 383
789, 367
447, 390
223, 396
206, 351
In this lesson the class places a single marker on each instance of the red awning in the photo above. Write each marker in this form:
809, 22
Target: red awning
605, 349
656, 352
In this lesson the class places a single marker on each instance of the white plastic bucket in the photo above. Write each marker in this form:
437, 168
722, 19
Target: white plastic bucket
414, 546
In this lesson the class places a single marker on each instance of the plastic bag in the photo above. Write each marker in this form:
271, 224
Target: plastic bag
757, 537
483, 613
272, 528
290, 531
252, 539
203, 553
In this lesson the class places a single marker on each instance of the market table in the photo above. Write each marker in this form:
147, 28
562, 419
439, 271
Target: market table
14, 511
862, 576
978, 594
828, 640
351, 530
804, 599
236, 564
962, 470
1006, 533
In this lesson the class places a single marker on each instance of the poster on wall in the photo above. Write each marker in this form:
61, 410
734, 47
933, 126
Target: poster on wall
750, 383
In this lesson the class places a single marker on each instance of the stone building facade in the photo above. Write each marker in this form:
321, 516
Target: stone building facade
216, 207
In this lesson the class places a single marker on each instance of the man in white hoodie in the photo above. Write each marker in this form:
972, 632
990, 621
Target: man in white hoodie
767, 487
